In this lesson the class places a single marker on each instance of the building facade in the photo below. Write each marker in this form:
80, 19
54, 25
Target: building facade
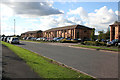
115, 31
73, 32
35, 34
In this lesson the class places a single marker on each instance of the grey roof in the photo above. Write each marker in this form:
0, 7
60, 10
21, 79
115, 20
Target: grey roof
28, 32
115, 24
68, 27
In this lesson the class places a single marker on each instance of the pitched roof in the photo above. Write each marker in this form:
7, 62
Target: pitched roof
32, 32
68, 27
115, 24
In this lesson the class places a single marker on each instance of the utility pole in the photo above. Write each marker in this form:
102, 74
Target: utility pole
14, 27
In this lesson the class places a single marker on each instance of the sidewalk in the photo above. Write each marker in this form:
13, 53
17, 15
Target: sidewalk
15, 67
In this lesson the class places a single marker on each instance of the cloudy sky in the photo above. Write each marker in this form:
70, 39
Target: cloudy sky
50, 14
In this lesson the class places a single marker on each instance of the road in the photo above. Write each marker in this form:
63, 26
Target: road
96, 63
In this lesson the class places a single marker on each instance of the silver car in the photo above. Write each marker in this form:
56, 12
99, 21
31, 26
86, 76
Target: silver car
14, 40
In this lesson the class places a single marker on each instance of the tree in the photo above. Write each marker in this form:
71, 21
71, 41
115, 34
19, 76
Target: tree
101, 35
3, 35
107, 35
92, 35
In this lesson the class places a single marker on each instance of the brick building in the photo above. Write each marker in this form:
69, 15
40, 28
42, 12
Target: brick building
73, 31
35, 34
115, 31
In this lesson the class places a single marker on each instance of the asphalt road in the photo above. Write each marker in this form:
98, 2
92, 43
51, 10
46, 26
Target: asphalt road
93, 62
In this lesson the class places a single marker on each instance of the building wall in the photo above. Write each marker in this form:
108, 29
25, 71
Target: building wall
114, 32
35, 35
69, 33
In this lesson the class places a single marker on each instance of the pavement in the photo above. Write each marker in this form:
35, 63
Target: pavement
93, 62
14, 67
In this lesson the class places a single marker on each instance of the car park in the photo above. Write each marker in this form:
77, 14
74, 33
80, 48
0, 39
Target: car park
1, 38
14, 40
28, 38
33, 39
113, 42
24, 38
38, 39
8, 39
5, 39
60, 38
55, 39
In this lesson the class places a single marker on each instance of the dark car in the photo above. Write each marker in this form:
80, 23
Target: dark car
113, 42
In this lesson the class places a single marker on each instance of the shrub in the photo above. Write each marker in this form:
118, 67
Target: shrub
68, 41
95, 43
102, 43
65, 40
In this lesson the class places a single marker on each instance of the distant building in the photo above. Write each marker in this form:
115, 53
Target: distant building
73, 31
35, 34
115, 31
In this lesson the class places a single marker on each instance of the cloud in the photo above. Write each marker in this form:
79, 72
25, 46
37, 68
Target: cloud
118, 14
48, 22
99, 19
33, 8
31, 20
75, 20
102, 18
6, 12
79, 11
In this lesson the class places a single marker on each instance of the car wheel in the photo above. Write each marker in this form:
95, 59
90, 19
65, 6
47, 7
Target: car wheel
116, 44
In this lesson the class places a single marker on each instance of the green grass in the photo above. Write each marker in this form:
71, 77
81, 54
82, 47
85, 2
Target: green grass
95, 47
44, 67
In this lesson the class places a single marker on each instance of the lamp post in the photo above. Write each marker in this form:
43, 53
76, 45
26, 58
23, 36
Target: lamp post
14, 27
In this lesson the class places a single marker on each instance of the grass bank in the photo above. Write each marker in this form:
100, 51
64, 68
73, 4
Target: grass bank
96, 47
44, 66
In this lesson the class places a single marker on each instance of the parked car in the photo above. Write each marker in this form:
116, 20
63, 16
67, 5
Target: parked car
119, 44
24, 38
45, 39
38, 39
5, 39
113, 42
59, 39
65, 40
8, 39
49, 39
33, 39
76, 40
1, 38
14, 40
28, 38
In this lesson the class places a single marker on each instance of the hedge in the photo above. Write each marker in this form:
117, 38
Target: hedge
94, 43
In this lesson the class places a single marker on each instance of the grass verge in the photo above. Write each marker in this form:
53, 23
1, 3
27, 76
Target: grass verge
95, 47
44, 67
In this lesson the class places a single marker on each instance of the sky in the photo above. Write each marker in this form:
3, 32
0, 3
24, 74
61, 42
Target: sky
30, 16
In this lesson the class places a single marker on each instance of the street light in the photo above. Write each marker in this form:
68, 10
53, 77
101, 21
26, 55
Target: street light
14, 27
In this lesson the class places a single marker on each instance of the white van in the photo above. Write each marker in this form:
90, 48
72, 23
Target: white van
14, 40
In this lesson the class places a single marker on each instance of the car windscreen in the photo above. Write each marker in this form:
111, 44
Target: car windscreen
15, 39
